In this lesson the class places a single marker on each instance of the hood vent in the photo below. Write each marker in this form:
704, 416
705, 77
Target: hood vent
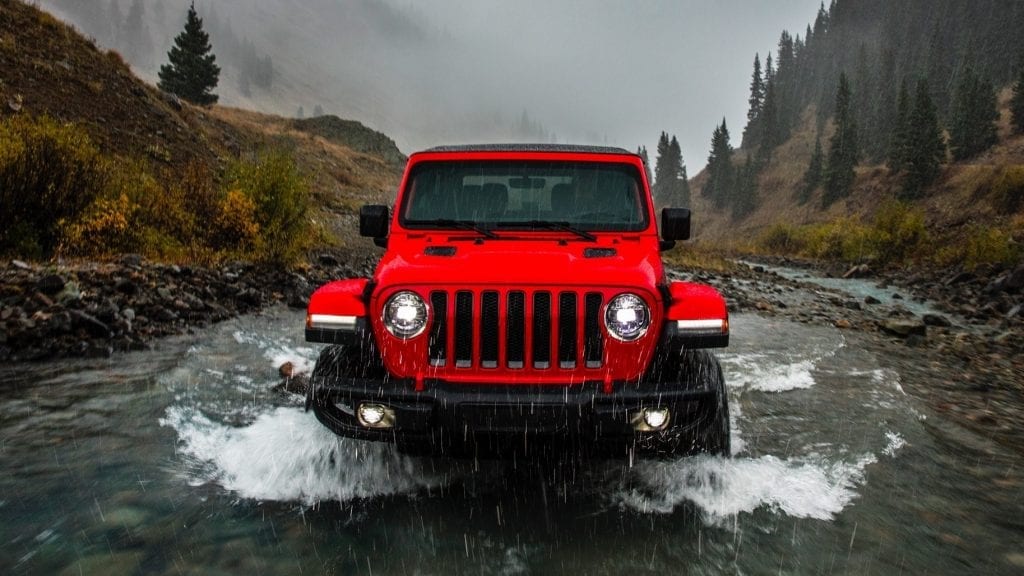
439, 251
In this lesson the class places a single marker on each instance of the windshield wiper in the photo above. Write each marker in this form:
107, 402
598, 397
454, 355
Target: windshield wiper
460, 225
548, 224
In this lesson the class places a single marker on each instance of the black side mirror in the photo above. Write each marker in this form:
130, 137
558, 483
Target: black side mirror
373, 223
675, 225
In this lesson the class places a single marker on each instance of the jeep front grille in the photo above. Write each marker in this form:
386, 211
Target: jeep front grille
516, 329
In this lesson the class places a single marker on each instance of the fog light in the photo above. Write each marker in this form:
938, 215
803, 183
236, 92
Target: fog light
375, 416
656, 418
650, 419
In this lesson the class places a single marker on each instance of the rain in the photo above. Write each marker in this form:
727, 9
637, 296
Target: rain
203, 452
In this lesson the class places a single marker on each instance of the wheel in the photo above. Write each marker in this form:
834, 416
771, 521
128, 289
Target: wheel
705, 428
342, 361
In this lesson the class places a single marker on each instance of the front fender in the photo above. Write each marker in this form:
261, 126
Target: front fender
697, 317
337, 312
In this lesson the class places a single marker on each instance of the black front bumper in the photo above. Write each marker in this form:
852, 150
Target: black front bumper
445, 414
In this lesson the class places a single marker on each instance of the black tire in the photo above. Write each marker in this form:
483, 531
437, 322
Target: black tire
707, 431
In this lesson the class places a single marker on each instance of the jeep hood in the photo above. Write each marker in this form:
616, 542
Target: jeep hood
626, 262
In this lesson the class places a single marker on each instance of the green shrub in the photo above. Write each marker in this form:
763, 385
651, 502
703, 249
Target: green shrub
899, 233
783, 239
990, 245
234, 227
281, 197
108, 226
50, 173
843, 239
1008, 189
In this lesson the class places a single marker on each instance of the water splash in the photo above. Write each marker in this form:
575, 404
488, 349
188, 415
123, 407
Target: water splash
286, 455
722, 488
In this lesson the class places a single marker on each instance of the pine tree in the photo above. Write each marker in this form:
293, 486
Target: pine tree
642, 152
899, 140
769, 138
815, 170
745, 190
926, 148
719, 184
679, 189
755, 101
662, 171
843, 152
1017, 101
973, 126
192, 72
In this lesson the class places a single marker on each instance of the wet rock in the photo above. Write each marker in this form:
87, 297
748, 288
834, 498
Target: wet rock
20, 265
50, 284
936, 320
843, 324
959, 278
1015, 281
43, 299
132, 260
915, 341
871, 300
327, 260
126, 286
69, 294
90, 324
903, 328
897, 296
286, 370
859, 271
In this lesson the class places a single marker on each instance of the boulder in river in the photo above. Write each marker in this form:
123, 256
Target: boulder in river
936, 320
858, 271
904, 328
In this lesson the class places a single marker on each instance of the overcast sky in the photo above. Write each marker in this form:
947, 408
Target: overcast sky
463, 71
622, 71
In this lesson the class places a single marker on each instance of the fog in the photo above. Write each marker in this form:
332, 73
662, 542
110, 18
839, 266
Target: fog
459, 71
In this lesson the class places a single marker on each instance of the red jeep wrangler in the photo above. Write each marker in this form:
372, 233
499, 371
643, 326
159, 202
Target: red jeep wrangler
522, 300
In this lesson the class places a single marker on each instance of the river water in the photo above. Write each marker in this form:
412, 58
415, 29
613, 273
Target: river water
184, 460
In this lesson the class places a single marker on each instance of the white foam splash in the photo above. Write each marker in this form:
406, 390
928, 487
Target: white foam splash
286, 455
754, 373
723, 487
896, 442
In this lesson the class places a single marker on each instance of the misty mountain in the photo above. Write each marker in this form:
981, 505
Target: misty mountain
362, 59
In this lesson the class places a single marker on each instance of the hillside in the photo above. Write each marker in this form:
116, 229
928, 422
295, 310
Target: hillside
962, 194
879, 46
49, 69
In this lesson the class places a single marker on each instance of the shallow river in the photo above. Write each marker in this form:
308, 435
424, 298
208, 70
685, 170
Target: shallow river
184, 460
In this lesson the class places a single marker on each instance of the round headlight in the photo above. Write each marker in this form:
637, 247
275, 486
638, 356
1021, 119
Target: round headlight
627, 317
405, 315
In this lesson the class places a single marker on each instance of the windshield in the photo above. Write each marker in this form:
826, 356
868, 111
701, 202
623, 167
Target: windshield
525, 194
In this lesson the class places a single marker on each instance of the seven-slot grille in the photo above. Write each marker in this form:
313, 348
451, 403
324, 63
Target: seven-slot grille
537, 329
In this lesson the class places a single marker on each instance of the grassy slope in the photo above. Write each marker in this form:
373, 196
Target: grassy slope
960, 197
48, 68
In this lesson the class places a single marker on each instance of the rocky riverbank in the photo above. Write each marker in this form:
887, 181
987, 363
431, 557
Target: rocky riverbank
95, 309
963, 356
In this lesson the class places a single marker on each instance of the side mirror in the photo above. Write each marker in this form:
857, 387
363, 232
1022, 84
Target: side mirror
675, 225
373, 223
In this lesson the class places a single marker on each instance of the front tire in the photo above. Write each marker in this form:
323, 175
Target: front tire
707, 429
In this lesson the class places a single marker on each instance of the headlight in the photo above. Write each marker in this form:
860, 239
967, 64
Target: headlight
405, 315
627, 317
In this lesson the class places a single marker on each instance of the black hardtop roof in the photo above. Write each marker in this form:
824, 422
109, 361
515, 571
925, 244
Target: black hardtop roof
564, 148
